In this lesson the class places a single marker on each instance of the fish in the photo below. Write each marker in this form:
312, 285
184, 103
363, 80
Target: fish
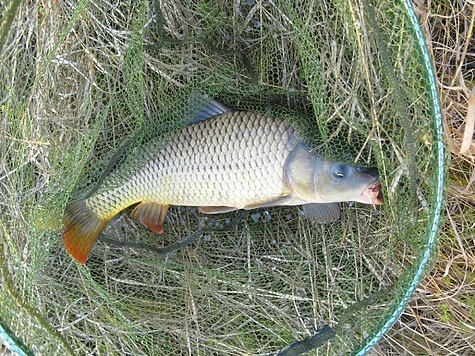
223, 160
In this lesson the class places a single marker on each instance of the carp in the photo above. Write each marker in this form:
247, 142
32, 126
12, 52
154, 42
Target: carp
222, 161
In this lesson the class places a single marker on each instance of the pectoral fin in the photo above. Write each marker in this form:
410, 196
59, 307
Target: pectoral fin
150, 214
322, 212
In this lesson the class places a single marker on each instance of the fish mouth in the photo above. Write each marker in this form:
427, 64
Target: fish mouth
372, 195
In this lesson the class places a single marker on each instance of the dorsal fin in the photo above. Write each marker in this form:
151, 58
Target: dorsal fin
212, 109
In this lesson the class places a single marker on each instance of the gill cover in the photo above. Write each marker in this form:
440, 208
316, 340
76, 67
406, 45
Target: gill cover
299, 172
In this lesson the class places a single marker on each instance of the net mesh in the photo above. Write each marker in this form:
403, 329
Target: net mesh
85, 84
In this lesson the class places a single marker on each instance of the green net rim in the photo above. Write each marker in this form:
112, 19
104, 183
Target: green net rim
434, 223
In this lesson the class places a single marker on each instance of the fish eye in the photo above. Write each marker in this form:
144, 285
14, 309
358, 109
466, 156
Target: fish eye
339, 171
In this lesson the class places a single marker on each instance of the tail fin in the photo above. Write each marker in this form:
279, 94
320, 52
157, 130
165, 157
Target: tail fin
82, 228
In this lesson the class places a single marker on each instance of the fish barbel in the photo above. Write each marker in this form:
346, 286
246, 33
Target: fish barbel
224, 161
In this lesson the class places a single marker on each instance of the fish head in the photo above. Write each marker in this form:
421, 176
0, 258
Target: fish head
337, 182
312, 179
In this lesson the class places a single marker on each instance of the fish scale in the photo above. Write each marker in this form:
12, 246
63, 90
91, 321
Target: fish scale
221, 168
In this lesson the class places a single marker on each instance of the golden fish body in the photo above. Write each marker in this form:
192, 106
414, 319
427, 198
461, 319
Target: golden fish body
232, 160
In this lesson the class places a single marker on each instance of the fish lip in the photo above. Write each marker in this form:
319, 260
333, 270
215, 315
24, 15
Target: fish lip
377, 193
373, 194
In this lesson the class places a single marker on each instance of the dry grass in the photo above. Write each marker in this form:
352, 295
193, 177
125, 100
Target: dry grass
440, 319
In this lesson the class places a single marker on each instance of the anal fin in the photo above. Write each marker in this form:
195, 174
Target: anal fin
151, 215
322, 212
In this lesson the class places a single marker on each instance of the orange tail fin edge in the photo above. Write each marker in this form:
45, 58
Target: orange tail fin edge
82, 228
